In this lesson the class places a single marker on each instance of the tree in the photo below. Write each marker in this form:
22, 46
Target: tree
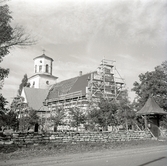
9, 120
17, 104
57, 117
104, 114
3, 103
125, 114
77, 117
24, 83
154, 84
28, 118
10, 37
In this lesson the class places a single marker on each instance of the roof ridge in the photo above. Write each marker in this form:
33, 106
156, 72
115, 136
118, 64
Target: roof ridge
76, 77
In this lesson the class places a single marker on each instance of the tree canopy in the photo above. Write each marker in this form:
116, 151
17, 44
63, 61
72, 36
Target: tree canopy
10, 37
24, 83
154, 84
78, 117
104, 114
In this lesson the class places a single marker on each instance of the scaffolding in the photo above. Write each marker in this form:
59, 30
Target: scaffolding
103, 82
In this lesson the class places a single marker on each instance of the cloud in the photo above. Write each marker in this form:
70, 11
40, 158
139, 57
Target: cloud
71, 21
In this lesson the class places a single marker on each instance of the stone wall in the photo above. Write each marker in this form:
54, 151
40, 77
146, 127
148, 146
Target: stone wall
75, 137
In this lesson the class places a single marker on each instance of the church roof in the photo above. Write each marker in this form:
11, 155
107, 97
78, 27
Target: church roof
43, 56
72, 85
151, 108
35, 98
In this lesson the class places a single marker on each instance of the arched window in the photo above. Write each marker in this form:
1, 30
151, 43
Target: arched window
47, 68
40, 68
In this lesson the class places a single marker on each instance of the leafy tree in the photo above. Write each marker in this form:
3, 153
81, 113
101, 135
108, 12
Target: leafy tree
26, 116
9, 120
24, 83
17, 104
27, 119
125, 114
154, 84
77, 117
3, 103
10, 37
104, 114
57, 117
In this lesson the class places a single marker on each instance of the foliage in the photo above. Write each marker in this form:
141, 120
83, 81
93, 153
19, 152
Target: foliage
17, 104
24, 83
77, 117
125, 114
154, 84
9, 120
27, 118
3, 103
104, 114
9, 37
57, 117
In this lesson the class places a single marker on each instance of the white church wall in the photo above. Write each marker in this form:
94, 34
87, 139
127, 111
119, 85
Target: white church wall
34, 82
45, 82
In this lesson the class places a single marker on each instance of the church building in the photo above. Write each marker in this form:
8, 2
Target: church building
45, 95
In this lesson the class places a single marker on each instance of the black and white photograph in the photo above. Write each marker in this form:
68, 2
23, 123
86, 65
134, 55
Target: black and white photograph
83, 82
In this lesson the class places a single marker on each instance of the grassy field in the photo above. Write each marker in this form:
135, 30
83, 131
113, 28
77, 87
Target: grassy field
8, 152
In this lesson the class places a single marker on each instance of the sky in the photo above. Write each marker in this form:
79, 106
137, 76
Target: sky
78, 34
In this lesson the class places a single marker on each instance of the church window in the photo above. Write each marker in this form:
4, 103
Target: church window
40, 61
47, 82
33, 84
47, 68
40, 68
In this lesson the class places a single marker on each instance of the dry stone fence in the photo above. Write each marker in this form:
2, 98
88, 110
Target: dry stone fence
74, 137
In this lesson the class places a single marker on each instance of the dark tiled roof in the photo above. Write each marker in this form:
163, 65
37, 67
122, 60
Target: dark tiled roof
35, 98
69, 86
43, 56
151, 108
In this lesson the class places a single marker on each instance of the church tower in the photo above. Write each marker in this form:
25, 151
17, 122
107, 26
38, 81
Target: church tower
42, 77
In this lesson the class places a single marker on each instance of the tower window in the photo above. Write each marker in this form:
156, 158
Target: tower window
40, 61
35, 68
40, 68
47, 68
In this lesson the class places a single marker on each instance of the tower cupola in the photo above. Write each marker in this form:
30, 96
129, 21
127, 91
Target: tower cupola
43, 65
42, 77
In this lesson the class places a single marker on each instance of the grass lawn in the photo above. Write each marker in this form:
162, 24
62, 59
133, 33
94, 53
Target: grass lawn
8, 152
